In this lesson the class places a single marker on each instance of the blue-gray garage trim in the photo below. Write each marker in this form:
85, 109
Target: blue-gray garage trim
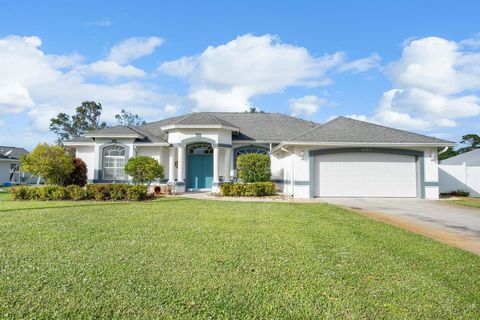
420, 166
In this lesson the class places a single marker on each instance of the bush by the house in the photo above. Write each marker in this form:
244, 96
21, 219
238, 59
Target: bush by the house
137, 192
253, 189
20, 193
460, 193
52, 163
144, 169
118, 191
253, 167
79, 173
74, 192
98, 191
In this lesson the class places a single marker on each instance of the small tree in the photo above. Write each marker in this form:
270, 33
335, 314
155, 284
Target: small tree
52, 163
253, 167
144, 169
79, 174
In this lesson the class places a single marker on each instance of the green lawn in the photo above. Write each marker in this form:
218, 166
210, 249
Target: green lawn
469, 202
182, 258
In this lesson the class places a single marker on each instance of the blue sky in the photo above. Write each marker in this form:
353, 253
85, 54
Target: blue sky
406, 64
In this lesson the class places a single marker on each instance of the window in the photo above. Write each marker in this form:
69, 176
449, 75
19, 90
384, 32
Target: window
200, 149
114, 163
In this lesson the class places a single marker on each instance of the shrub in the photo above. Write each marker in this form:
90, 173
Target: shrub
33, 193
118, 191
79, 174
59, 193
19, 193
98, 191
137, 192
253, 167
460, 193
52, 163
144, 169
254, 189
76, 192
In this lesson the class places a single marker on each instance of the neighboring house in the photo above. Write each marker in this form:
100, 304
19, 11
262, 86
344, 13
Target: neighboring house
461, 172
341, 158
10, 165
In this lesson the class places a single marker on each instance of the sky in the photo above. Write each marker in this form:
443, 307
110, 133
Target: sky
413, 65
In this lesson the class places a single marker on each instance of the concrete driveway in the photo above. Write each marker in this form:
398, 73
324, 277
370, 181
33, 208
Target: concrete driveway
453, 224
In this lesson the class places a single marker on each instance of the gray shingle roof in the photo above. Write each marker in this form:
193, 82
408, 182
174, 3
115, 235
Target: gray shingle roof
113, 130
275, 127
471, 158
344, 129
12, 152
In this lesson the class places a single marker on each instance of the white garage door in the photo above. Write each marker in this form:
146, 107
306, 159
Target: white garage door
365, 175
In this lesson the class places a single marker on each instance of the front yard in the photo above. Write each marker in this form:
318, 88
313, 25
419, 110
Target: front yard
182, 258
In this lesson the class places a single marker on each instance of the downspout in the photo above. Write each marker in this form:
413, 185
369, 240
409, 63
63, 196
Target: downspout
293, 170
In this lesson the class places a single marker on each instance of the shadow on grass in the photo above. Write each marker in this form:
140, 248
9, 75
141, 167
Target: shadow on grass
86, 204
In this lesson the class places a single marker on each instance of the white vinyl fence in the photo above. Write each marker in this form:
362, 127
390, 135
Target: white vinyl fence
459, 177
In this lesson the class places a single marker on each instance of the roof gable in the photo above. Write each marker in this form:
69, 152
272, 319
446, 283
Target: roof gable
344, 129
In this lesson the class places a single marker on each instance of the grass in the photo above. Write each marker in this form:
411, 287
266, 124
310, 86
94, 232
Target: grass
182, 258
469, 202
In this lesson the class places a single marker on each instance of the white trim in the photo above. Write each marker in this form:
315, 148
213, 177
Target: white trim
255, 141
10, 160
79, 143
373, 144
153, 144
139, 136
195, 126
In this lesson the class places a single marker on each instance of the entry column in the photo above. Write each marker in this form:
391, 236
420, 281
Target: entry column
181, 164
171, 166
228, 155
215, 166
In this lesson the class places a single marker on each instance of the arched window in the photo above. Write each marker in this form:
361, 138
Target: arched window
200, 149
113, 163
248, 149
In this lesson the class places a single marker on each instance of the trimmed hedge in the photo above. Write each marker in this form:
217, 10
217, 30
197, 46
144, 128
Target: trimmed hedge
253, 167
254, 189
74, 192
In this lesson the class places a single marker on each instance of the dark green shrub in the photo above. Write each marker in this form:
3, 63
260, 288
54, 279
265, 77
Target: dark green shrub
98, 191
460, 193
79, 174
253, 167
144, 169
118, 191
137, 192
254, 189
76, 192
19, 193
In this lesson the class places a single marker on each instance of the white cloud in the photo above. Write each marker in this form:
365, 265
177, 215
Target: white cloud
306, 105
361, 65
42, 85
111, 70
133, 48
226, 77
435, 82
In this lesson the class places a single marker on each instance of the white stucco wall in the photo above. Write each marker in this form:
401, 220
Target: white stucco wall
4, 172
87, 154
219, 136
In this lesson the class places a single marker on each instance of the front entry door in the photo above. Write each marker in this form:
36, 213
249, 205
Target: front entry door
200, 171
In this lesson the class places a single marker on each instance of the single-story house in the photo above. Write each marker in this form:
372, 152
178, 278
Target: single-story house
10, 165
341, 158
461, 172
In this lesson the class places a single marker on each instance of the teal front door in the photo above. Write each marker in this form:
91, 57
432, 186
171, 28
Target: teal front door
200, 171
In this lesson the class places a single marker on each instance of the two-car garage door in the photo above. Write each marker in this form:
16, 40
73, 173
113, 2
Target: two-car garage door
359, 174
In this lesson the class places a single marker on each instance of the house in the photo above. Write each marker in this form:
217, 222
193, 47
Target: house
341, 158
10, 165
461, 172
